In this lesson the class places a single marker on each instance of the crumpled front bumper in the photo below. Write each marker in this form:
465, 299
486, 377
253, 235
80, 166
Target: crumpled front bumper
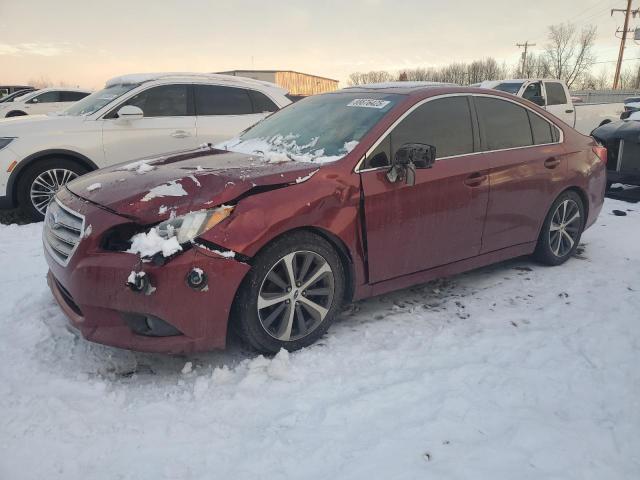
91, 289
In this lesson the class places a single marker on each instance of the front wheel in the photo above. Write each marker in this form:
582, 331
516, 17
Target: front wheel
291, 295
561, 230
40, 182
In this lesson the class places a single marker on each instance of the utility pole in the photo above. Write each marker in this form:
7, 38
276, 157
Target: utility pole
627, 12
526, 45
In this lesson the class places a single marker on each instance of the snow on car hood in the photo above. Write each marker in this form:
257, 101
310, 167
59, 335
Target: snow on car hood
149, 190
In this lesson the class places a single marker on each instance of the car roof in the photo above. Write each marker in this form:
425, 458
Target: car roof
396, 87
140, 78
30, 95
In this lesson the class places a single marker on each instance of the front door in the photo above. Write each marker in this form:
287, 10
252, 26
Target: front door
168, 125
440, 219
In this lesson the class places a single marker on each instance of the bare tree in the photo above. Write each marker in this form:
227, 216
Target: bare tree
360, 78
570, 53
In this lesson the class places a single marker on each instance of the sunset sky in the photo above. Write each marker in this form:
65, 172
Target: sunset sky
85, 42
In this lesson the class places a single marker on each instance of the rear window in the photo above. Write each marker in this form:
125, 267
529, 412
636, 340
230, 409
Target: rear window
505, 124
509, 87
218, 100
262, 103
555, 93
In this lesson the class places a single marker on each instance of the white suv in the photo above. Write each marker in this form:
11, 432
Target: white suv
133, 116
47, 100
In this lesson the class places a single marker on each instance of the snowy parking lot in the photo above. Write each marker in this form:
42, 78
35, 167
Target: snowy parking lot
514, 371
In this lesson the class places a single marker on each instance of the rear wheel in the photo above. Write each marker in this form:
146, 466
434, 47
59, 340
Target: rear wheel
40, 182
292, 294
561, 230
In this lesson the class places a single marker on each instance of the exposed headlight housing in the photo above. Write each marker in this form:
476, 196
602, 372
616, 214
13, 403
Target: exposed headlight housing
4, 141
187, 227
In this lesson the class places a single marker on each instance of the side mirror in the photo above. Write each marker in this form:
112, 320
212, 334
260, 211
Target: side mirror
34, 100
408, 158
538, 100
129, 113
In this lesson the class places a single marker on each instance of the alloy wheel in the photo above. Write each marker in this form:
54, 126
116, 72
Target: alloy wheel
296, 295
564, 229
45, 186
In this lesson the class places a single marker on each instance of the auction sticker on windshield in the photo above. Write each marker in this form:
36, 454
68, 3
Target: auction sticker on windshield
368, 103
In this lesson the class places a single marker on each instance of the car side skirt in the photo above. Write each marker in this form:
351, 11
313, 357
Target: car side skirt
444, 270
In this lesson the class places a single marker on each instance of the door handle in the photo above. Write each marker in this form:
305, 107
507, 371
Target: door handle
568, 111
180, 134
551, 162
475, 179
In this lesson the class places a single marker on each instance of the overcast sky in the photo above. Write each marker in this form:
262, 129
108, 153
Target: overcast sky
85, 42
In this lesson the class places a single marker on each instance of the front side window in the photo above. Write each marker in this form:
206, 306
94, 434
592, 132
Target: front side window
444, 123
218, 100
162, 101
321, 128
532, 90
555, 93
505, 124
46, 97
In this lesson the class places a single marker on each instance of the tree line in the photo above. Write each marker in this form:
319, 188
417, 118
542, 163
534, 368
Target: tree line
567, 55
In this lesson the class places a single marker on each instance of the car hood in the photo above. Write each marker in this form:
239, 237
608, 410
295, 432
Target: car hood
151, 189
37, 124
628, 130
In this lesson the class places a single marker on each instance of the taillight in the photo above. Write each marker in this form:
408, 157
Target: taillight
601, 153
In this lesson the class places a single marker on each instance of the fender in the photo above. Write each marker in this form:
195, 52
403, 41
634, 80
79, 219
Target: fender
11, 194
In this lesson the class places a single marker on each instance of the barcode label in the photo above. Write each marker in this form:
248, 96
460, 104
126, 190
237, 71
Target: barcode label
368, 103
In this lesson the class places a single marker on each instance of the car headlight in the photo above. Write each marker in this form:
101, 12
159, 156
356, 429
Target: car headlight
187, 227
4, 141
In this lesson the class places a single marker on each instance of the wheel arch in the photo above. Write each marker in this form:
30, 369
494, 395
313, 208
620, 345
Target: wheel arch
338, 245
18, 172
15, 113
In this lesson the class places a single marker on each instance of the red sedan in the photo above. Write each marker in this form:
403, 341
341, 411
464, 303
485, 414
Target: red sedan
335, 198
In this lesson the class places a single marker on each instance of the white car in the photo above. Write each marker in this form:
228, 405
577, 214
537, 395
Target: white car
47, 100
133, 116
554, 96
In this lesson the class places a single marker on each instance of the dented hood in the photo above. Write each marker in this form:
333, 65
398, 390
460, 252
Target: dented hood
184, 182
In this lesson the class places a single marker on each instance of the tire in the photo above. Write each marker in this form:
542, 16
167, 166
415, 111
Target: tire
561, 231
296, 324
15, 114
44, 178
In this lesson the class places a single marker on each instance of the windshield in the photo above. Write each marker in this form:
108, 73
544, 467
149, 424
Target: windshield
319, 129
509, 87
94, 102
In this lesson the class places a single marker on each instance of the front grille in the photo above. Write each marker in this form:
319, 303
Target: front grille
62, 231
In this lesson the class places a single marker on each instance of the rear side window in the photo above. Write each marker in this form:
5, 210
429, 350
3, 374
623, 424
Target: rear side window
46, 97
262, 103
505, 124
162, 101
555, 93
541, 129
218, 100
444, 123
72, 96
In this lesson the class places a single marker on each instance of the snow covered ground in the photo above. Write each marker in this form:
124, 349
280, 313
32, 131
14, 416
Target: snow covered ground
516, 371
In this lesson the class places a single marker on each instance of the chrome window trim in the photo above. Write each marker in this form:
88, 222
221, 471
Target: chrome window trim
75, 247
357, 168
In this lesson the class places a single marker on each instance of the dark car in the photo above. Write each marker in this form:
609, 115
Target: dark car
335, 198
622, 140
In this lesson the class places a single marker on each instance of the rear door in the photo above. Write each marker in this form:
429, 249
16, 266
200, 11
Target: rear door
168, 125
527, 165
558, 102
440, 219
223, 112
69, 97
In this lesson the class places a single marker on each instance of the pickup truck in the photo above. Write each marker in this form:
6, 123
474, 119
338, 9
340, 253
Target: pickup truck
553, 95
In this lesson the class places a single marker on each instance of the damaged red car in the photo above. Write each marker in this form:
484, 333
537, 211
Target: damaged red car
335, 198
